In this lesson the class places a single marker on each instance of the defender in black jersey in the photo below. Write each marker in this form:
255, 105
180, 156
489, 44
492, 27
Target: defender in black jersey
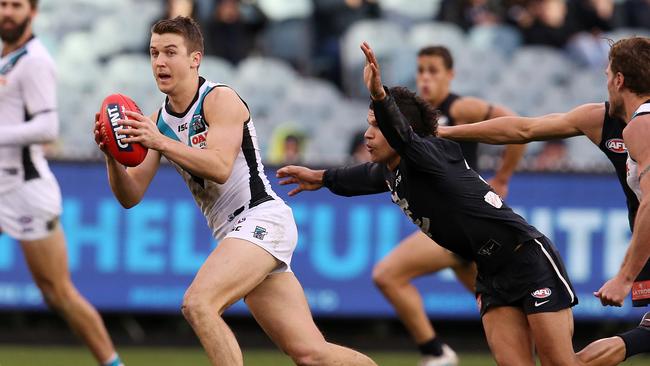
522, 288
604, 125
416, 255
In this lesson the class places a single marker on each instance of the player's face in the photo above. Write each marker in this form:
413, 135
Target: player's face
170, 61
15, 17
433, 78
379, 149
616, 108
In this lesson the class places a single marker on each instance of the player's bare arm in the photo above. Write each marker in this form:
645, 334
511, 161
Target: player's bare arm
469, 110
583, 120
636, 136
225, 115
128, 185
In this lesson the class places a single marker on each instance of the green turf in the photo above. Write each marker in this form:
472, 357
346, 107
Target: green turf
136, 356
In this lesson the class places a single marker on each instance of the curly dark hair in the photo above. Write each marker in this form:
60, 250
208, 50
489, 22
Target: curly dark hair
422, 117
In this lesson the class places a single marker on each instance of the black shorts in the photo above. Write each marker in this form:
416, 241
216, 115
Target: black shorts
641, 288
534, 281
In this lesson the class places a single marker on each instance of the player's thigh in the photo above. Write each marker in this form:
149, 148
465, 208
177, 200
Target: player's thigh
466, 273
508, 336
553, 333
415, 256
47, 258
231, 271
279, 305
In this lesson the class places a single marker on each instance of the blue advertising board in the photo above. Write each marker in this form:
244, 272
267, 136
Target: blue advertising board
144, 258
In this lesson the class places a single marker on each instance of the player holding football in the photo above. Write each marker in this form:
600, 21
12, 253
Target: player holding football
522, 288
605, 124
417, 255
205, 130
30, 199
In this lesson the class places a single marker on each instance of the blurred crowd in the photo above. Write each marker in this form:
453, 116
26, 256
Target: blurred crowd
308, 35
298, 64
237, 28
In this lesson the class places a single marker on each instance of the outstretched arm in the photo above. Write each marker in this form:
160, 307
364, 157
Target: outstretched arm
636, 136
347, 181
583, 120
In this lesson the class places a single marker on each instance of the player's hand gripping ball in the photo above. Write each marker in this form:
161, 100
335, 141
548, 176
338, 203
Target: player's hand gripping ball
113, 108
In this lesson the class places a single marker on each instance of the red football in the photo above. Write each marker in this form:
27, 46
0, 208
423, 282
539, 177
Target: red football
113, 108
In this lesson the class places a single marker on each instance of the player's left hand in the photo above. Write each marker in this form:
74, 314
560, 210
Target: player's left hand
500, 186
141, 129
614, 291
371, 74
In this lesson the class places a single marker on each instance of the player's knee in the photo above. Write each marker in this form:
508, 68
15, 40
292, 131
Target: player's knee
56, 294
383, 276
194, 306
306, 354
197, 304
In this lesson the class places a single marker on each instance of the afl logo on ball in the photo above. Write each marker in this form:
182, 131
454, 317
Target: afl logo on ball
542, 293
616, 145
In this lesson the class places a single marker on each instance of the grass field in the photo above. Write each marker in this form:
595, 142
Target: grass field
74, 356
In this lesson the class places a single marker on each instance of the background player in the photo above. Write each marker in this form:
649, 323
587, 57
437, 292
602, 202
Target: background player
522, 288
224, 172
603, 124
30, 199
417, 255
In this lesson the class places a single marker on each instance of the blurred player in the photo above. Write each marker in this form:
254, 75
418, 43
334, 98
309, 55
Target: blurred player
205, 130
522, 288
30, 199
417, 255
603, 124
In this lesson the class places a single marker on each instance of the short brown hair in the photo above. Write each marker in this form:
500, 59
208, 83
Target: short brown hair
33, 3
631, 57
440, 51
185, 27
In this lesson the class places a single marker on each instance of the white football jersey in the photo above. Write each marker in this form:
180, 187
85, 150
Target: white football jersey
633, 172
27, 88
247, 185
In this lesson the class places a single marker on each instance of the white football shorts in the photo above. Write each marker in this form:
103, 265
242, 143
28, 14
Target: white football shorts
270, 226
32, 210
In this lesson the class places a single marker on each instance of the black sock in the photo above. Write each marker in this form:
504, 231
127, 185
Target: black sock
432, 347
636, 341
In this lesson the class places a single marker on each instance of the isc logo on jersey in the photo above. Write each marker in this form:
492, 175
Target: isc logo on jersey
114, 115
616, 145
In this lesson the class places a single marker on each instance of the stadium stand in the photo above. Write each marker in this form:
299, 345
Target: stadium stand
491, 63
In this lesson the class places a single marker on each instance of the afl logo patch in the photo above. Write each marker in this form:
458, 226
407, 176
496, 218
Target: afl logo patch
542, 293
616, 145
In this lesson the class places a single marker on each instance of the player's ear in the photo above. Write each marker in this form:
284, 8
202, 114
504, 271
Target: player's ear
197, 56
619, 80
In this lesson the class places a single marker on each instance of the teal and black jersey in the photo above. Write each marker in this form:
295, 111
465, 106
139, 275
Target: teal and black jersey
247, 185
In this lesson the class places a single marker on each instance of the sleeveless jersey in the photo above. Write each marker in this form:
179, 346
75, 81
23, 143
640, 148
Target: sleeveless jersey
247, 185
633, 180
611, 143
27, 88
470, 149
